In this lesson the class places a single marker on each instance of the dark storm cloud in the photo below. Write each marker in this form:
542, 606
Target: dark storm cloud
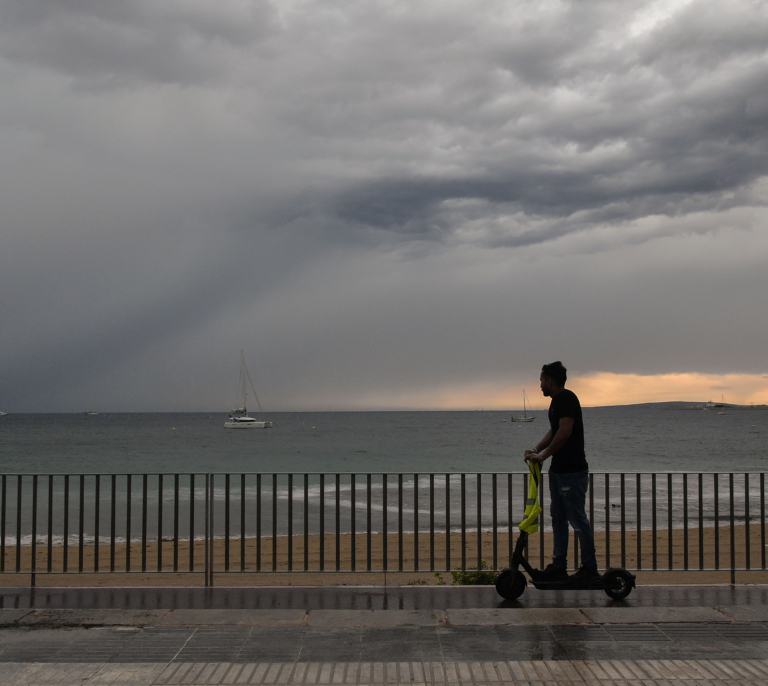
170, 42
360, 186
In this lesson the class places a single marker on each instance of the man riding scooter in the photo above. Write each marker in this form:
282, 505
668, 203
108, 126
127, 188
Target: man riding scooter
568, 479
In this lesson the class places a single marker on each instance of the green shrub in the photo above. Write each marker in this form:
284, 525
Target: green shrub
474, 577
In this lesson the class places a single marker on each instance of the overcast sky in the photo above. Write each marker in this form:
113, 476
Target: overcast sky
386, 204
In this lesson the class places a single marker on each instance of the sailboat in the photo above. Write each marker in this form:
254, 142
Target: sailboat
239, 418
523, 417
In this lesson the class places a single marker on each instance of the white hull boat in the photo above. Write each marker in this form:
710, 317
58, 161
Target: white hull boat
239, 418
246, 423
523, 417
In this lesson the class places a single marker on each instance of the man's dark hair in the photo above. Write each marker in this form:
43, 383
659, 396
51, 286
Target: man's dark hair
556, 372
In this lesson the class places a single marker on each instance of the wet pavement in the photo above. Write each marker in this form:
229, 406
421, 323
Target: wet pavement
656, 637
166, 644
371, 597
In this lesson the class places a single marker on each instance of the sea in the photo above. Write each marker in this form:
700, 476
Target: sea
618, 439
627, 439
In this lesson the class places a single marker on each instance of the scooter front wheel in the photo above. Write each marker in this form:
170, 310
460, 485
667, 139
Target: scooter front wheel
511, 584
618, 583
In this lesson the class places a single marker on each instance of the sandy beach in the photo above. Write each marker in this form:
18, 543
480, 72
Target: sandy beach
278, 568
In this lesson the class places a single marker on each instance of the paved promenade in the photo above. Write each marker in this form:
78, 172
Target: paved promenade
658, 637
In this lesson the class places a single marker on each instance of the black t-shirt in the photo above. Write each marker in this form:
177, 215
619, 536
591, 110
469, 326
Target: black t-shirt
571, 457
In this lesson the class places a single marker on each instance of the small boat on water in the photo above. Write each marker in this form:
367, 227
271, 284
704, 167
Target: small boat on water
239, 418
525, 416
91, 412
2, 414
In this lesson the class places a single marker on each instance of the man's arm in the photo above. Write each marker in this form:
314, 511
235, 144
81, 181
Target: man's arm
543, 442
564, 431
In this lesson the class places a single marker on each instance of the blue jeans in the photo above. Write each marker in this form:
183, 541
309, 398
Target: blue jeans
568, 494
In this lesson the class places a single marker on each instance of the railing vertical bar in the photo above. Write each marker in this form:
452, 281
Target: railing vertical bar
509, 519
385, 498
206, 514
431, 522
274, 522
701, 521
19, 487
322, 522
447, 522
290, 522
191, 523
638, 488
575, 550
525, 500
306, 522
144, 523
416, 522
623, 523
463, 522
685, 521
607, 522
242, 522
96, 521
762, 518
368, 521
160, 523
400, 522
258, 522
33, 542
670, 530
352, 523
65, 542
653, 521
226, 522
128, 499
3, 503
212, 528
338, 522
717, 520
81, 525
479, 496
50, 524
747, 538
176, 521
112, 523
542, 522
495, 524
732, 529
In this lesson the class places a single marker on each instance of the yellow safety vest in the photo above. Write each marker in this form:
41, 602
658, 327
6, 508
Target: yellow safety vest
532, 505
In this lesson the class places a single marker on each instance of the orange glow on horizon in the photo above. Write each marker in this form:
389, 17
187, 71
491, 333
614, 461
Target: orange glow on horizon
594, 390
605, 388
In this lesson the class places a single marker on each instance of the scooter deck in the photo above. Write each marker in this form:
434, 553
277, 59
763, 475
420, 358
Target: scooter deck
568, 586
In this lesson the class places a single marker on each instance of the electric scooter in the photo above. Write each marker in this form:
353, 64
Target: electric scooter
617, 582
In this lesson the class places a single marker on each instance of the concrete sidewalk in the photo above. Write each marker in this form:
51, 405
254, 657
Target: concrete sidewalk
658, 637
522, 673
20, 618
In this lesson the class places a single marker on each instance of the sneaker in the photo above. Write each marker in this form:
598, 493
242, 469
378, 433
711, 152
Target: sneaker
586, 575
552, 573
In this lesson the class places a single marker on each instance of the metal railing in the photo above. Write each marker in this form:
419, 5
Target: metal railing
360, 523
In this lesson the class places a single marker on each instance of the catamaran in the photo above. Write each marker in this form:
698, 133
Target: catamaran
239, 418
523, 417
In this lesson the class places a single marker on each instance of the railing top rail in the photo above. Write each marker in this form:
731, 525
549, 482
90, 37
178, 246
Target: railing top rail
364, 473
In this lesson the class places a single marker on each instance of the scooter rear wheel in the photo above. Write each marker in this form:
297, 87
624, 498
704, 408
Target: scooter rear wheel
511, 584
618, 583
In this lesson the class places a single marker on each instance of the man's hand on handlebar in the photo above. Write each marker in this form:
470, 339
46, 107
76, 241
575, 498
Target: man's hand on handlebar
533, 456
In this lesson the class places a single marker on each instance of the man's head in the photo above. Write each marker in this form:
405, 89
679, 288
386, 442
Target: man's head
553, 377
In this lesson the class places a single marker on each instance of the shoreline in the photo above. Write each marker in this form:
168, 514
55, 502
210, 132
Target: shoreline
337, 553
